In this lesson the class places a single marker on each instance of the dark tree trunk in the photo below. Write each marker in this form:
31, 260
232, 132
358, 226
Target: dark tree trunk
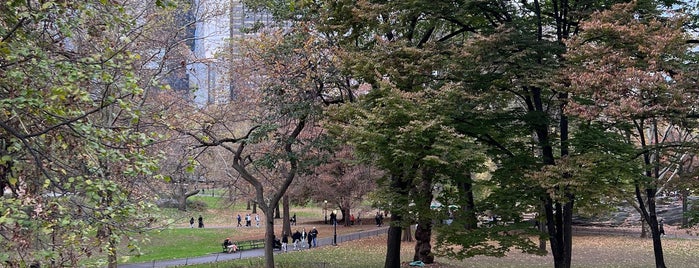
423, 231
407, 235
286, 224
254, 209
559, 219
393, 244
248, 206
423, 248
470, 207
652, 220
394, 231
277, 212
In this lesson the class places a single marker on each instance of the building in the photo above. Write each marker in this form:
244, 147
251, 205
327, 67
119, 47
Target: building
218, 22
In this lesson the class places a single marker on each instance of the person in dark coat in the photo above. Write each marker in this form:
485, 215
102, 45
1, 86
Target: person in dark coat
201, 222
191, 222
295, 238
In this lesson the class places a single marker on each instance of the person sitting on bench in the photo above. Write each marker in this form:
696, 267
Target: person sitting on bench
229, 246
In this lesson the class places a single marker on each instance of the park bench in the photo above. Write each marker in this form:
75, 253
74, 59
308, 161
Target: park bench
251, 244
247, 244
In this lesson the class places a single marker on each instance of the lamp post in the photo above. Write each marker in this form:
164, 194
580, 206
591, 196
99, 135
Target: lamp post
325, 210
335, 228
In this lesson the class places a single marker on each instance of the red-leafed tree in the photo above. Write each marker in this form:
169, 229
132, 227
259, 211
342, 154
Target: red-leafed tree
344, 181
631, 73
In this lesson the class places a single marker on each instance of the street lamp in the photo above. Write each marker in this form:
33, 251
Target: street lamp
325, 210
335, 228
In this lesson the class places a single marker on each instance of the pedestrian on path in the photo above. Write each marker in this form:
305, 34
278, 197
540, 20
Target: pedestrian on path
295, 238
285, 241
191, 222
257, 219
201, 222
239, 220
313, 234
247, 220
310, 240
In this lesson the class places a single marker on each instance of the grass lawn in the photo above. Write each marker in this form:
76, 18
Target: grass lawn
588, 252
596, 251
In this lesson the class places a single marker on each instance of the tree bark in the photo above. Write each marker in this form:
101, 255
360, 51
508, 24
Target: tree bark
423, 248
407, 235
393, 244
286, 224
277, 212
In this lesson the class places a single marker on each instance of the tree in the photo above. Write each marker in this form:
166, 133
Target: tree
274, 135
639, 59
73, 155
343, 180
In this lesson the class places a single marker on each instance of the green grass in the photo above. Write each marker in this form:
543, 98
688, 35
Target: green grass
180, 243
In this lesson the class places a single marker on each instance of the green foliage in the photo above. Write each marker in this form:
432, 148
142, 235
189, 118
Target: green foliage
72, 153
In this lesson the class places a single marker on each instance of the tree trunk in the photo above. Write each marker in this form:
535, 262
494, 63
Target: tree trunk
286, 224
423, 248
269, 236
248, 206
407, 234
277, 212
470, 207
651, 218
423, 231
112, 253
182, 199
559, 219
685, 221
254, 209
393, 244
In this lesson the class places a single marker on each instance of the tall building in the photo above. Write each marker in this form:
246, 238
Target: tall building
218, 21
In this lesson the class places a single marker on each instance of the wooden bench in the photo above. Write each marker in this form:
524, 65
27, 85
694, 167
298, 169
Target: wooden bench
251, 244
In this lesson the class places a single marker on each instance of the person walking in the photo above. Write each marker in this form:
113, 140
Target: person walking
191, 222
313, 234
295, 238
239, 220
304, 237
661, 227
310, 240
247, 220
285, 241
201, 222
257, 219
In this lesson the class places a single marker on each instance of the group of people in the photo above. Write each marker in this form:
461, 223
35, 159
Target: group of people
248, 220
299, 237
379, 219
200, 220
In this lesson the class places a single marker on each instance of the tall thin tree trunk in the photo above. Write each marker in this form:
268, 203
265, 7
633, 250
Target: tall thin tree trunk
286, 224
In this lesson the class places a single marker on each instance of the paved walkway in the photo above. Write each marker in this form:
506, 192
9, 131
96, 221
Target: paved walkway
215, 257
